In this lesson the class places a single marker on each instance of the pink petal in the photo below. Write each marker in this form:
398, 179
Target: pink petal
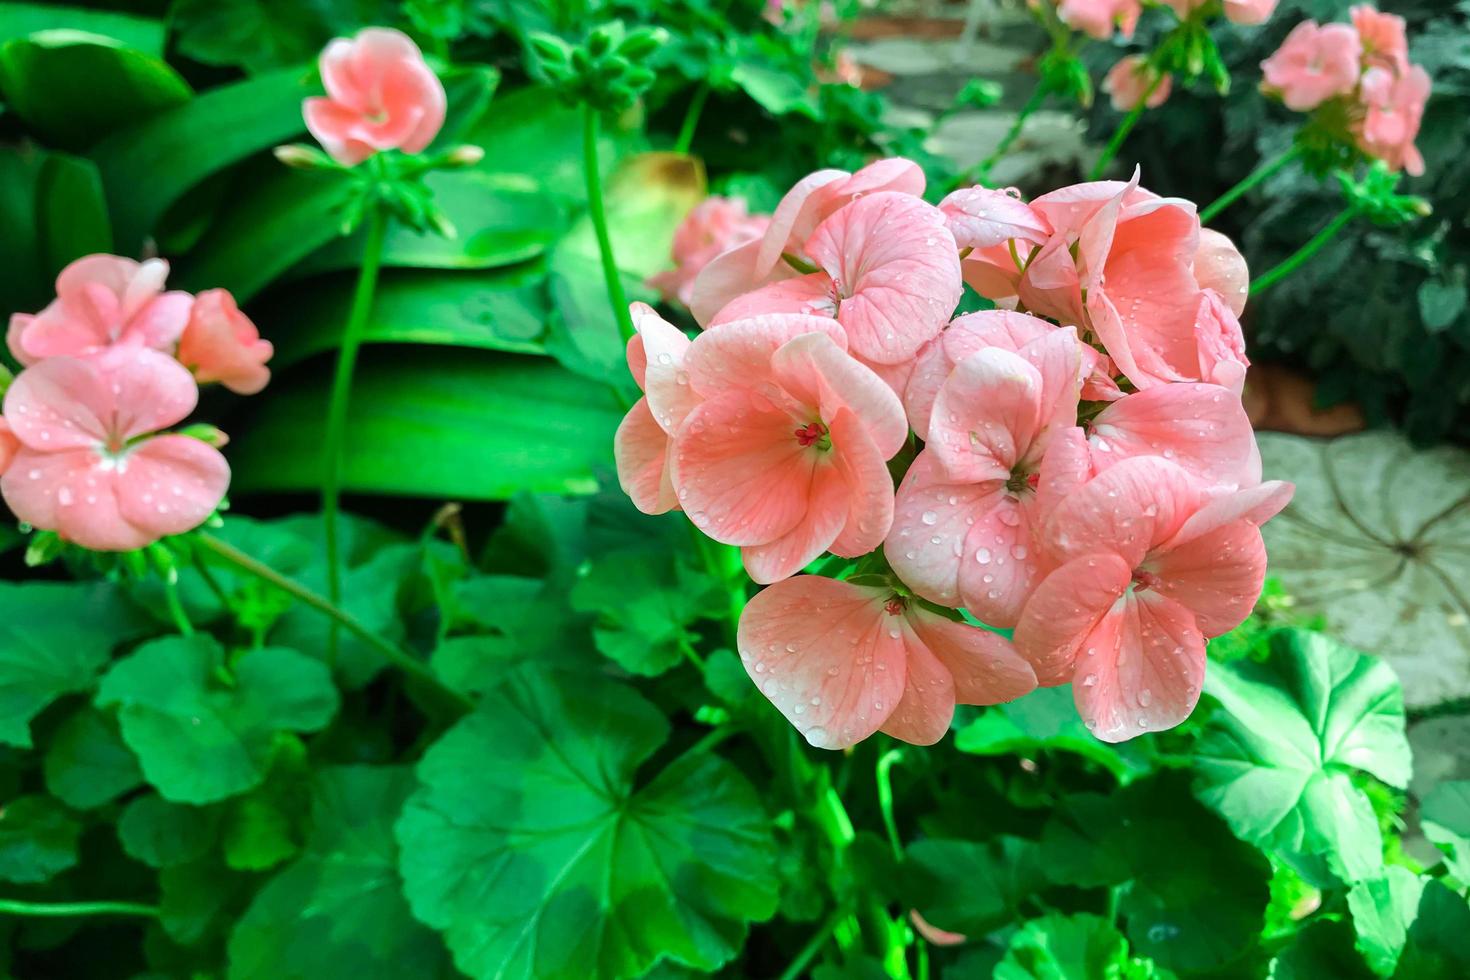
796, 215
1216, 576
980, 217
670, 395
737, 356
1147, 672
985, 416
926, 708
161, 322
896, 269
741, 475
816, 372
932, 518
1066, 466
966, 335
868, 487
333, 126
1061, 614
171, 484
1051, 286
1255, 505
641, 450
1201, 427
50, 491
1125, 510
1000, 566
827, 509
812, 295
985, 666
1218, 265
220, 344
1058, 361
827, 655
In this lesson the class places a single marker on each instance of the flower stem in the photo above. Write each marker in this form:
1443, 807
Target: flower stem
176, 607
362, 304
1261, 173
591, 124
691, 118
981, 171
1302, 255
1125, 127
814, 945
55, 910
399, 658
886, 762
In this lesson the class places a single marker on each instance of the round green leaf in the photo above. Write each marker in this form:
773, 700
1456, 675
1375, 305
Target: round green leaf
200, 736
1276, 760
163, 834
551, 864
87, 764
1058, 947
38, 839
968, 887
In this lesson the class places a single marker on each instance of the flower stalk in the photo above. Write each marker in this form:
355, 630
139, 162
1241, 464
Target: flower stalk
1262, 173
591, 127
1304, 254
1120, 135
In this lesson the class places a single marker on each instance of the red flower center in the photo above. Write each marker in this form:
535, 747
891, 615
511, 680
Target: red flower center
810, 434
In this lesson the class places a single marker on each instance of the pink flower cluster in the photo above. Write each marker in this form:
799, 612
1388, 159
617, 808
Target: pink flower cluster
1075, 464
1100, 18
110, 363
1361, 70
716, 225
381, 95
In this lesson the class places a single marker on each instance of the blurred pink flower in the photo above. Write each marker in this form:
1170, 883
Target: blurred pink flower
842, 661
1148, 564
1393, 111
1384, 36
102, 300
1129, 81
91, 465
1314, 63
381, 95
785, 455
1099, 18
716, 225
9, 445
221, 344
1249, 13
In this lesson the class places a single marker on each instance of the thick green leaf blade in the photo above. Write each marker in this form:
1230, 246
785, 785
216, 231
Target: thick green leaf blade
88, 764
142, 33
475, 425
551, 864
338, 910
73, 87
1383, 909
1276, 759
201, 737
71, 211
1436, 948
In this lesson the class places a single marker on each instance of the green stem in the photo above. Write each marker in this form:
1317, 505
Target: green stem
362, 304
1261, 173
1302, 255
175, 606
1038, 97
399, 658
691, 118
591, 123
886, 762
1126, 127
814, 945
714, 556
54, 910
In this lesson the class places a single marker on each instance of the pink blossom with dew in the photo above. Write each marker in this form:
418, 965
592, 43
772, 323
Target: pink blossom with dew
1315, 63
644, 441
842, 661
381, 95
785, 455
1393, 110
716, 225
92, 464
968, 511
1129, 81
102, 300
983, 217
221, 344
814, 198
1147, 564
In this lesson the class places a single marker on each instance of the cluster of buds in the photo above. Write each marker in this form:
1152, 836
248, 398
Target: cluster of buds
606, 71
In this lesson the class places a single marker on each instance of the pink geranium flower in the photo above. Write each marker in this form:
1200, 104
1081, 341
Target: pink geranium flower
381, 95
842, 661
644, 439
221, 344
1384, 36
1393, 111
1099, 18
968, 510
102, 300
91, 464
716, 225
1147, 564
890, 275
814, 198
1315, 63
1249, 12
1130, 80
785, 453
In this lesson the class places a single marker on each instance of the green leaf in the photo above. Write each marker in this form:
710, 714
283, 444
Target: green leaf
494, 309
1436, 947
1047, 720
1383, 908
163, 834
73, 87
201, 737
87, 764
1324, 948
1058, 947
53, 640
71, 211
1440, 303
775, 90
258, 834
1276, 761
142, 33
477, 426
200, 899
555, 863
38, 839
260, 34
149, 166
644, 602
968, 887
1444, 816
338, 911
